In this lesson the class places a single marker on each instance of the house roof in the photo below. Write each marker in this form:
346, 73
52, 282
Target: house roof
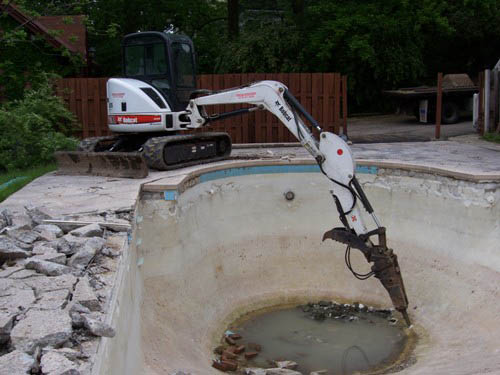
73, 35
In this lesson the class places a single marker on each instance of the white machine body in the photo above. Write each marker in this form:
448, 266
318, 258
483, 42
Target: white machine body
137, 107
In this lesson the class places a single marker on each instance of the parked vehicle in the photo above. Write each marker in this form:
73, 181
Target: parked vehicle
458, 90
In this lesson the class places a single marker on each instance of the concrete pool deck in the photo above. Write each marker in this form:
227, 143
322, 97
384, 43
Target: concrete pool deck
476, 166
68, 195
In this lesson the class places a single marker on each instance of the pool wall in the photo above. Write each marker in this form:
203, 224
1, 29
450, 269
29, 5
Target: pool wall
210, 247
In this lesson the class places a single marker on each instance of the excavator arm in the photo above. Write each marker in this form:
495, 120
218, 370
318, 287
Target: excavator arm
335, 161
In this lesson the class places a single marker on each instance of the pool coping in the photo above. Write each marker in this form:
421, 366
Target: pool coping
238, 167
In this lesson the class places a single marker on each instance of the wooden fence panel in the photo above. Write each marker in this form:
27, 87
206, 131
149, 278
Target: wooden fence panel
323, 95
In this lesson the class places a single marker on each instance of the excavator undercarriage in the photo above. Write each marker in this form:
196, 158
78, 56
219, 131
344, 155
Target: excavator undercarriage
130, 156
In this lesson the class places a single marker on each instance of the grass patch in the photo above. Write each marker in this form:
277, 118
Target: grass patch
492, 137
20, 178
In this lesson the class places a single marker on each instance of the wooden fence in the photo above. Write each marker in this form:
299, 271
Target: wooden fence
322, 94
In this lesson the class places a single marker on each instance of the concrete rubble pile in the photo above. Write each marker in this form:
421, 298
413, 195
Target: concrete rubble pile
55, 290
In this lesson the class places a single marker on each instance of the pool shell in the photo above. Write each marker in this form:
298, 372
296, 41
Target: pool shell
213, 245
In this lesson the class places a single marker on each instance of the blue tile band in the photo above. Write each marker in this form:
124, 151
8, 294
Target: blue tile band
268, 169
171, 195
366, 169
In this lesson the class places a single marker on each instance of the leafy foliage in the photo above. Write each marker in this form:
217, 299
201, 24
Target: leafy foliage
379, 44
34, 127
24, 57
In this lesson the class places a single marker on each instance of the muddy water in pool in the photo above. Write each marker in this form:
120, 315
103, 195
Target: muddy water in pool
356, 343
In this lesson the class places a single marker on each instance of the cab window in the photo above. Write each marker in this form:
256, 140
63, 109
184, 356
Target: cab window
183, 60
145, 58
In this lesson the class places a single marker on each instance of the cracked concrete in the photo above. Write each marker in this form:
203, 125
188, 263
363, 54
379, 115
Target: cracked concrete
466, 174
38, 290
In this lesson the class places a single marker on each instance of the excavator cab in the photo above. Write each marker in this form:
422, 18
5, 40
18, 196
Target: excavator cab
165, 61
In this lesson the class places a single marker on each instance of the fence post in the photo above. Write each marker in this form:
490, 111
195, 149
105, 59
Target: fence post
496, 101
480, 119
344, 105
336, 115
439, 103
487, 92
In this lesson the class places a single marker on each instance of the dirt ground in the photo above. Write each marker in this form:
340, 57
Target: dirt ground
401, 128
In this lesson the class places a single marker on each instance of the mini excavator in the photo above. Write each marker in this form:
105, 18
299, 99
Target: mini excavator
156, 102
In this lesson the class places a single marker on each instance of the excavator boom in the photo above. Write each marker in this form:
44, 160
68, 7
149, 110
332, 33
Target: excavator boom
336, 162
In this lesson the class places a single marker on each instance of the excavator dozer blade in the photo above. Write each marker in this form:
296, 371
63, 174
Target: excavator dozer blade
107, 164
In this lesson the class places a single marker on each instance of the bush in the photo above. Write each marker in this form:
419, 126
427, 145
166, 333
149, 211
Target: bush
33, 128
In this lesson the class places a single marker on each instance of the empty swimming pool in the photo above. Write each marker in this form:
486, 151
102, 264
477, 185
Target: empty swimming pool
219, 242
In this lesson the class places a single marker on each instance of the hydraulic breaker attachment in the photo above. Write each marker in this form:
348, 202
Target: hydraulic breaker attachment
385, 263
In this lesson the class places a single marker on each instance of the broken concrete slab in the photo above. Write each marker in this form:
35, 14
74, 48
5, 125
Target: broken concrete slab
10, 270
9, 250
78, 308
49, 228
41, 328
24, 274
75, 311
6, 285
3, 222
48, 284
36, 214
109, 252
25, 236
7, 217
47, 268
53, 256
6, 324
95, 243
89, 348
22, 221
16, 362
91, 230
14, 296
55, 299
82, 258
69, 353
54, 363
85, 254
64, 246
96, 326
42, 247
85, 295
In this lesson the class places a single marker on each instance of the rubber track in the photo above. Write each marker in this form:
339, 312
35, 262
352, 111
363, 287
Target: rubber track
153, 150
90, 144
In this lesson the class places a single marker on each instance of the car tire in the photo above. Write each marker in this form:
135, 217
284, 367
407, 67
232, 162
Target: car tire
450, 113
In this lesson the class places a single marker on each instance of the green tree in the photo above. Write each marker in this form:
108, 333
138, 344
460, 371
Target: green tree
34, 127
25, 57
201, 20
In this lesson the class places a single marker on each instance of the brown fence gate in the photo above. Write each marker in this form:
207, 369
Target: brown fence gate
322, 94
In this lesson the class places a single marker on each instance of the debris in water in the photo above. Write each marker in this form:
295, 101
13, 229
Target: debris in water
322, 335
250, 355
290, 365
254, 346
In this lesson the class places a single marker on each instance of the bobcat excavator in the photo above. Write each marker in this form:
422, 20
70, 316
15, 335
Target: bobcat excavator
158, 98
